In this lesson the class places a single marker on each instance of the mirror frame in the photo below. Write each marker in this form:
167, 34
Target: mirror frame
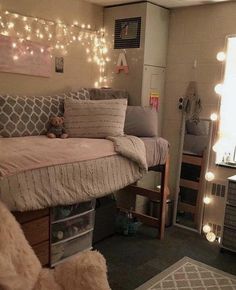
205, 167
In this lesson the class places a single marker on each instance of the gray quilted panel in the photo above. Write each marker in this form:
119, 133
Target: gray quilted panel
29, 116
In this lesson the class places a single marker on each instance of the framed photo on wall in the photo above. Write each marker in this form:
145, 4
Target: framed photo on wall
59, 64
127, 33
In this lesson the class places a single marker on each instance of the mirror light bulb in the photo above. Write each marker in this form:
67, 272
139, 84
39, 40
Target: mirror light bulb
214, 117
211, 237
206, 228
219, 89
216, 147
220, 56
209, 176
207, 200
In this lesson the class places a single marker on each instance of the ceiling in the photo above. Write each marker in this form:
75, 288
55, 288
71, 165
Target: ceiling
164, 3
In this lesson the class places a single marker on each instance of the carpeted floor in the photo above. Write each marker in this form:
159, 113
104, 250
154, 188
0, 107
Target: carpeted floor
134, 260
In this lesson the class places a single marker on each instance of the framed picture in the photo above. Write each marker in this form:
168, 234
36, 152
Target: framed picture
59, 64
127, 33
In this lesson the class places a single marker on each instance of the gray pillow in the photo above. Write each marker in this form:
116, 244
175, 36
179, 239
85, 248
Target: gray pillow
141, 121
107, 94
27, 116
82, 94
95, 119
198, 129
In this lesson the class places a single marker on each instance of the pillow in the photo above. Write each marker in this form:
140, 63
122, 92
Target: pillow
27, 116
107, 94
198, 129
95, 119
82, 94
141, 121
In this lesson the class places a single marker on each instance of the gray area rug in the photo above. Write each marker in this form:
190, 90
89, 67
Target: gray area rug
188, 274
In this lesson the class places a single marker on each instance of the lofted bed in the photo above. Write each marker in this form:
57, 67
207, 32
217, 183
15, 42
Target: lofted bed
40, 175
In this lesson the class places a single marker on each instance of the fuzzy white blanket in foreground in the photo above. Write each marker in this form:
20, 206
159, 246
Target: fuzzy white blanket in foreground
37, 172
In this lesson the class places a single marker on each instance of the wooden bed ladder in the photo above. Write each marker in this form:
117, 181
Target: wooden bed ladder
153, 195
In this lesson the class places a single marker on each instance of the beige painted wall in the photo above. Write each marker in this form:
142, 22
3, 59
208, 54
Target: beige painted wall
77, 71
196, 33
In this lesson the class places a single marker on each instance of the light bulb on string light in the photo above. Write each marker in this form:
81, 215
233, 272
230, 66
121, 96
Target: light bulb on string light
209, 176
206, 228
221, 56
211, 237
207, 200
10, 25
219, 89
214, 117
63, 35
216, 147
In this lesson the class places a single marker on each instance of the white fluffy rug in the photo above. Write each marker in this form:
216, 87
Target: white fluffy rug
188, 274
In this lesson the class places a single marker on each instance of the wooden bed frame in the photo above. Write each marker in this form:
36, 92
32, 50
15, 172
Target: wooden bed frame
153, 195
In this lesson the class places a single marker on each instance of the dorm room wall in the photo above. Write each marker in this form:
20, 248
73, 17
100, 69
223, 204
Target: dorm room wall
77, 71
196, 33
132, 82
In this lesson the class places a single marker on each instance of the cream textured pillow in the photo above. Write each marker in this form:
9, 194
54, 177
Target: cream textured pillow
95, 119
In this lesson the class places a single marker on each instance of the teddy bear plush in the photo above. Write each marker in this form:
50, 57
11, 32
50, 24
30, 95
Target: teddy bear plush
56, 128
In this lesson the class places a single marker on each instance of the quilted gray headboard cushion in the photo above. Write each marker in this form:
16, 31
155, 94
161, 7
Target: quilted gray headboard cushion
106, 94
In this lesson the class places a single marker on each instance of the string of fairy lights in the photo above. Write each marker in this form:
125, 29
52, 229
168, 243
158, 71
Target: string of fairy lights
55, 37
210, 176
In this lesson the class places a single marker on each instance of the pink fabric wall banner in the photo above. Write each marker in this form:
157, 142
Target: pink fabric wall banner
24, 57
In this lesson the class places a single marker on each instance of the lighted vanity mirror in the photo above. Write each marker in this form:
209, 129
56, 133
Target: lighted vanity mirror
194, 154
225, 147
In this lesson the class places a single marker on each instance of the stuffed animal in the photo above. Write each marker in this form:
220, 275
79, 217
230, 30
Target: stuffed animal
56, 128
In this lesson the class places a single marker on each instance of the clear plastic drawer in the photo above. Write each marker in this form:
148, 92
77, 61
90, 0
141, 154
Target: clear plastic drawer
63, 212
65, 249
73, 226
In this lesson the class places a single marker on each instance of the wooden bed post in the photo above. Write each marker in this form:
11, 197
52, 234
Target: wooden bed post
164, 194
153, 195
